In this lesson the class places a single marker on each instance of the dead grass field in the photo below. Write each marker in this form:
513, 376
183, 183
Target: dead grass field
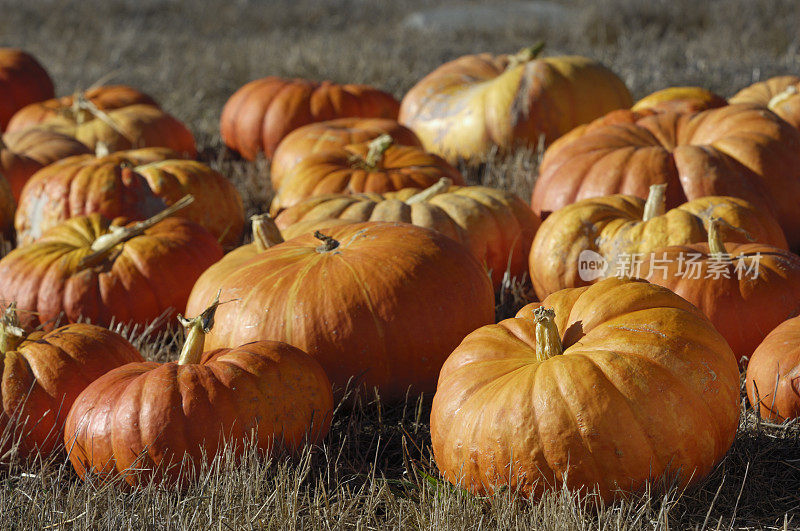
374, 470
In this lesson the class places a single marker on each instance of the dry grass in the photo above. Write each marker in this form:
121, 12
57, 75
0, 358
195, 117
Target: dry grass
375, 469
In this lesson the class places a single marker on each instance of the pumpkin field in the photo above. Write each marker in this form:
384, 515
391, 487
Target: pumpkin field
334, 264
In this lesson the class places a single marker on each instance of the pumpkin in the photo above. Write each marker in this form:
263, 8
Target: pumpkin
620, 227
43, 374
133, 184
383, 303
772, 374
495, 225
7, 206
739, 150
375, 166
261, 113
466, 106
333, 134
779, 94
745, 289
133, 126
162, 421
23, 153
680, 99
92, 268
78, 106
22, 81
601, 388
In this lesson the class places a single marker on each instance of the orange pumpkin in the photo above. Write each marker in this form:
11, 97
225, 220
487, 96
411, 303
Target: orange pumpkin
144, 421
350, 299
465, 107
88, 267
43, 374
331, 135
680, 99
22, 81
739, 150
746, 290
772, 374
261, 113
376, 166
600, 388
779, 94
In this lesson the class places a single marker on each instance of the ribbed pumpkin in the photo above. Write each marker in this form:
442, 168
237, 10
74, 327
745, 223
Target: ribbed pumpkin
376, 166
261, 113
22, 81
150, 420
620, 226
23, 153
746, 290
680, 99
602, 387
78, 107
773, 374
89, 267
43, 374
132, 184
383, 303
739, 150
495, 225
333, 134
134, 126
466, 106
779, 94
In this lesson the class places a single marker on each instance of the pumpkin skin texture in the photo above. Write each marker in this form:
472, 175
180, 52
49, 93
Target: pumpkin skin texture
644, 383
352, 307
466, 106
330, 135
261, 113
378, 166
43, 374
496, 226
23, 153
22, 81
615, 228
742, 308
772, 383
681, 100
779, 94
105, 98
149, 416
739, 150
134, 282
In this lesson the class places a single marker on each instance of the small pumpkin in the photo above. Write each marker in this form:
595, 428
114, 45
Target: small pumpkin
42, 375
779, 94
78, 107
616, 229
376, 166
745, 289
466, 106
600, 388
772, 374
496, 226
261, 113
739, 150
680, 99
383, 303
22, 81
333, 134
89, 267
161, 421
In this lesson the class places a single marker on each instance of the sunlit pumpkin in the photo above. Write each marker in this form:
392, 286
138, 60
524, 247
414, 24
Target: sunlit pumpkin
680, 99
779, 94
773, 374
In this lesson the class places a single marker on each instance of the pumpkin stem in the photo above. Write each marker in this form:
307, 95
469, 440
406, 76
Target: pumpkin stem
656, 203
265, 232
11, 334
525, 55
196, 330
328, 243
377, 148
441, 187
548, 342
782, 96
117, 235
80, 102
715, 243
101, 149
